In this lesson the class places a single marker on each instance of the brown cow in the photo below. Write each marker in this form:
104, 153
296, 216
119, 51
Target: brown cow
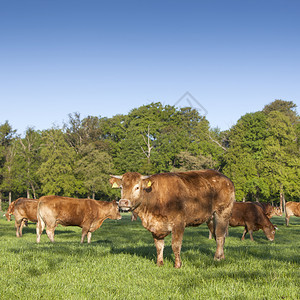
168, 202
269, 209
24, 210
253, 218
86, 213
291, 209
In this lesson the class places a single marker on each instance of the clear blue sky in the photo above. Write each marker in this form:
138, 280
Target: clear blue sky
104, 58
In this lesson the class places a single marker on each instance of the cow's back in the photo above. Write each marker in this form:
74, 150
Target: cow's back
194, 195
64, 210
26, 208
293, 208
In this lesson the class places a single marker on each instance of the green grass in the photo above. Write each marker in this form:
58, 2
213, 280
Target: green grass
120, 264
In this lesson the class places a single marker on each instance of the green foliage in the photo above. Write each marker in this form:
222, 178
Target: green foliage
260, 153
263, 156
93, 169
57, 168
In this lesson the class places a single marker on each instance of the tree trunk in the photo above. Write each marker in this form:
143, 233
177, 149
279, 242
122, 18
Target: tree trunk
0, 201
33, 190
28, 194
93, 196
9, 198
283, 202
282, 206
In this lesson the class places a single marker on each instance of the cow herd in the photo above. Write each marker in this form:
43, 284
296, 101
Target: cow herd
166, 203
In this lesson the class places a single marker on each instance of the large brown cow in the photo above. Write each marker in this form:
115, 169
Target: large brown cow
86, 213
252, 217
24, 210
291, 209
168, 202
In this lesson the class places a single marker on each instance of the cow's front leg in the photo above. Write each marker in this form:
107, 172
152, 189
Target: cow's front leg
85, 231
177, 235
17, 225
159, 244
89, 237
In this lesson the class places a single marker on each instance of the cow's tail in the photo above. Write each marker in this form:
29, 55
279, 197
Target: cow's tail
40, 226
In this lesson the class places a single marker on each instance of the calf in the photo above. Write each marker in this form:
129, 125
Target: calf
24, 210
291, 209
269, 210
86, 213
253, 218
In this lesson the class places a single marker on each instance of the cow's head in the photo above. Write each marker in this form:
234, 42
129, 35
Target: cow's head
114, 211
8, 216
132, 186
270, 231
277, 211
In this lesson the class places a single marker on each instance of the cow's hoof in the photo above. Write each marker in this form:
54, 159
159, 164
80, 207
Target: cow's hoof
220, 257
160, 263
178, 265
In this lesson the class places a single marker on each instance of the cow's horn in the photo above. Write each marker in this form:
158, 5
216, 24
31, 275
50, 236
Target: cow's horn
145, 176
116, 176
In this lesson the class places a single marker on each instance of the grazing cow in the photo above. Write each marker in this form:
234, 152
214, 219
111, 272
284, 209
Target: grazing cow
168, 202
291, 209
269, 210
24, 210
86, 213
253, 218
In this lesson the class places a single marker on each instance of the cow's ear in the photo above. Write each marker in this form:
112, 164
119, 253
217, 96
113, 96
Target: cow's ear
115, 182
147, 185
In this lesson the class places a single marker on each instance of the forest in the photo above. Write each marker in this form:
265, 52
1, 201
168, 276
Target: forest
260, 153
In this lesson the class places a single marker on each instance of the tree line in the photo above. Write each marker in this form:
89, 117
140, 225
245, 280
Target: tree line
260, 153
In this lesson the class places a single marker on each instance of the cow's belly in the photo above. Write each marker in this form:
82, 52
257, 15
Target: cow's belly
159, 226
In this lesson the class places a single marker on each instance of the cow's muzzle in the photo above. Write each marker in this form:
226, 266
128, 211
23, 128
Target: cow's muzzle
127, 205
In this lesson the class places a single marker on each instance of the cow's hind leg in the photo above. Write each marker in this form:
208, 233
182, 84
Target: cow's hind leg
23, 223
50, 233
40, 226
159, 244
211, 228
244, 233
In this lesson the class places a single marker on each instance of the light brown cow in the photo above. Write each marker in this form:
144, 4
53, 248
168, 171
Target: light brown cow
252, 217
291, 209
86, 213
168, 202
24, 210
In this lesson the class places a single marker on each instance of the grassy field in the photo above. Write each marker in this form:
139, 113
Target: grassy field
120, 264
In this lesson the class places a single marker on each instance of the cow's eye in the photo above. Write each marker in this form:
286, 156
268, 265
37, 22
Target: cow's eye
137, 187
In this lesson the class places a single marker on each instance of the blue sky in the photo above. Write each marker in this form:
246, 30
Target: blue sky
104, 58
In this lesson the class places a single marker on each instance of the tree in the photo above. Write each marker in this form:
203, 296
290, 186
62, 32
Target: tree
93, 169
56, 171
6, 153
28, 162
244, 156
